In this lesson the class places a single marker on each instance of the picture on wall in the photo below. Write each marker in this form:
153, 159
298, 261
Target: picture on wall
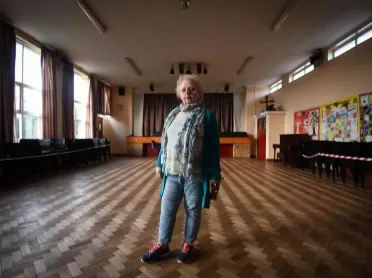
366, 117
307, 122
340, 120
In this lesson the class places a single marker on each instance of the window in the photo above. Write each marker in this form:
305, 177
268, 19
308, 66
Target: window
350, 42
301, 71
28, 96
81, 92
276, 86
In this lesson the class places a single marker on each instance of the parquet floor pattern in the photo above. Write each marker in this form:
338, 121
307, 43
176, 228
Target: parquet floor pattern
269, 221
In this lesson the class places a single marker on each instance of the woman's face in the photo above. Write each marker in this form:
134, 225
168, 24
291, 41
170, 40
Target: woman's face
189, 93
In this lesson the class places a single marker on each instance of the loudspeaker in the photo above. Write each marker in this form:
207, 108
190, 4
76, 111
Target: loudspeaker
121, 91
227, 88
317, 58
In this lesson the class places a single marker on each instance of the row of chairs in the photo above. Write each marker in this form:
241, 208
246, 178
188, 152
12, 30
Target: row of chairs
338, 157
33, 156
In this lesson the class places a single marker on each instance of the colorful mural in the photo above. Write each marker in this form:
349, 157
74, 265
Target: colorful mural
307, 122
366, 117
340, 120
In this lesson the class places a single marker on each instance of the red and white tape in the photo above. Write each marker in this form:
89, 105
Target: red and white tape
339, 156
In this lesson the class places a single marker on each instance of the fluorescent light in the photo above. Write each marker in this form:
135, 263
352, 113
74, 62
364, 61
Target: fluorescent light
133, 66
284, 15
242, 67
89, 13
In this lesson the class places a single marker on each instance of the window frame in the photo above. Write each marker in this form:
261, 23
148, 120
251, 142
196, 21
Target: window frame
304, 69
82, 104
276, 86
348, 40
22, 86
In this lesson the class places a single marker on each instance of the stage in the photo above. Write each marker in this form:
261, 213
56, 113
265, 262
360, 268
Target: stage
234, 146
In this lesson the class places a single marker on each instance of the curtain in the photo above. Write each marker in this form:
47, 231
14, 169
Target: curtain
138, 114
239, 111
93, 93
7, 79
222, 105
156, 108
89, 123
68, 100
107, 99
101, 97
48, 75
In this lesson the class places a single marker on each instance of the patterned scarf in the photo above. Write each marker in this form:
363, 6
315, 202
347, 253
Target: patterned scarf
187, 136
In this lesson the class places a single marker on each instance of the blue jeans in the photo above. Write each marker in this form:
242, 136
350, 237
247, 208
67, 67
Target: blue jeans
175, 188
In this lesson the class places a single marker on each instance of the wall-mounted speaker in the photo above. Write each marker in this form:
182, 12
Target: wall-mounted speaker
121, 91
227, 88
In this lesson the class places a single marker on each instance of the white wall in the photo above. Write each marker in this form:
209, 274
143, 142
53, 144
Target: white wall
347, 75
120, 124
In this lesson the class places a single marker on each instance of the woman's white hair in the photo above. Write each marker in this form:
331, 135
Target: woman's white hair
192, 77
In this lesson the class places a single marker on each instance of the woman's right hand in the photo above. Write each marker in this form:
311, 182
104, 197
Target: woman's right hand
158, 172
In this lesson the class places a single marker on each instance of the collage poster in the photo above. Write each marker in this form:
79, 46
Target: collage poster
307, 122
366, 118
340, 120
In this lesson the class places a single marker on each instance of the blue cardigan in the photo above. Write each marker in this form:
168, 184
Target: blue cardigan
211, 156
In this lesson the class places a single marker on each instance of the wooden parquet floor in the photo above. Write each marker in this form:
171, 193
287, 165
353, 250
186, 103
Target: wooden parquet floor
269, 221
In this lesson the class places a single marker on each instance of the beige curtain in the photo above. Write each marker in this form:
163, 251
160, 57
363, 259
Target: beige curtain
107, 100
49, 94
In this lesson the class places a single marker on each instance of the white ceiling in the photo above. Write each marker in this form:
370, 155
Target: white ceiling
156, 34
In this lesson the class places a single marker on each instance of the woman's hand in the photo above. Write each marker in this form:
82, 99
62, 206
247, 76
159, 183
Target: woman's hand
158, 172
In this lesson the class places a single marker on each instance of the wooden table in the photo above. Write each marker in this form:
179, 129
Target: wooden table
230, 146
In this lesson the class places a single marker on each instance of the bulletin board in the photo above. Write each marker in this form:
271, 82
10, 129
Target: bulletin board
340, 120
307, 122
366, 117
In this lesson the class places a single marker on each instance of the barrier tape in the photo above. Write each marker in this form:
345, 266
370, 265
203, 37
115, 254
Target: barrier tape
339, 156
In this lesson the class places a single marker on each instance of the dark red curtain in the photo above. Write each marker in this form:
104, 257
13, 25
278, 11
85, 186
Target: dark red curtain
222, 105
49, 93
7, 79
68, 100
156, 108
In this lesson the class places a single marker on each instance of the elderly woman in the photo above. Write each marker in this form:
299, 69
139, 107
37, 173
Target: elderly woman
189, 163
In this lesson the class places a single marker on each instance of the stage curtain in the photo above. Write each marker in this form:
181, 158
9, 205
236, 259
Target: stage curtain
222, 105
7, 79
156, 108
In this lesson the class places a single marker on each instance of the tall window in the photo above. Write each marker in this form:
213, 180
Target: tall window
28, 96
350, 42
301, 71
81, 92
276, 86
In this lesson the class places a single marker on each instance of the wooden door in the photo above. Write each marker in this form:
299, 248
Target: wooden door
261, 138
100, 127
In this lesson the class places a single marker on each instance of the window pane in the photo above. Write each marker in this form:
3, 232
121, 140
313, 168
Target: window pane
31, 68
364, 37
30, 126
344, 48
309, 69
18, 127
17, 97
18, 65
32, 101
298, 75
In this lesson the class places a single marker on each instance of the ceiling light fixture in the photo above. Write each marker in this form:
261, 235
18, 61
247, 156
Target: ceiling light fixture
283, 16
133, 66
185, 4
242, 67
92, 17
